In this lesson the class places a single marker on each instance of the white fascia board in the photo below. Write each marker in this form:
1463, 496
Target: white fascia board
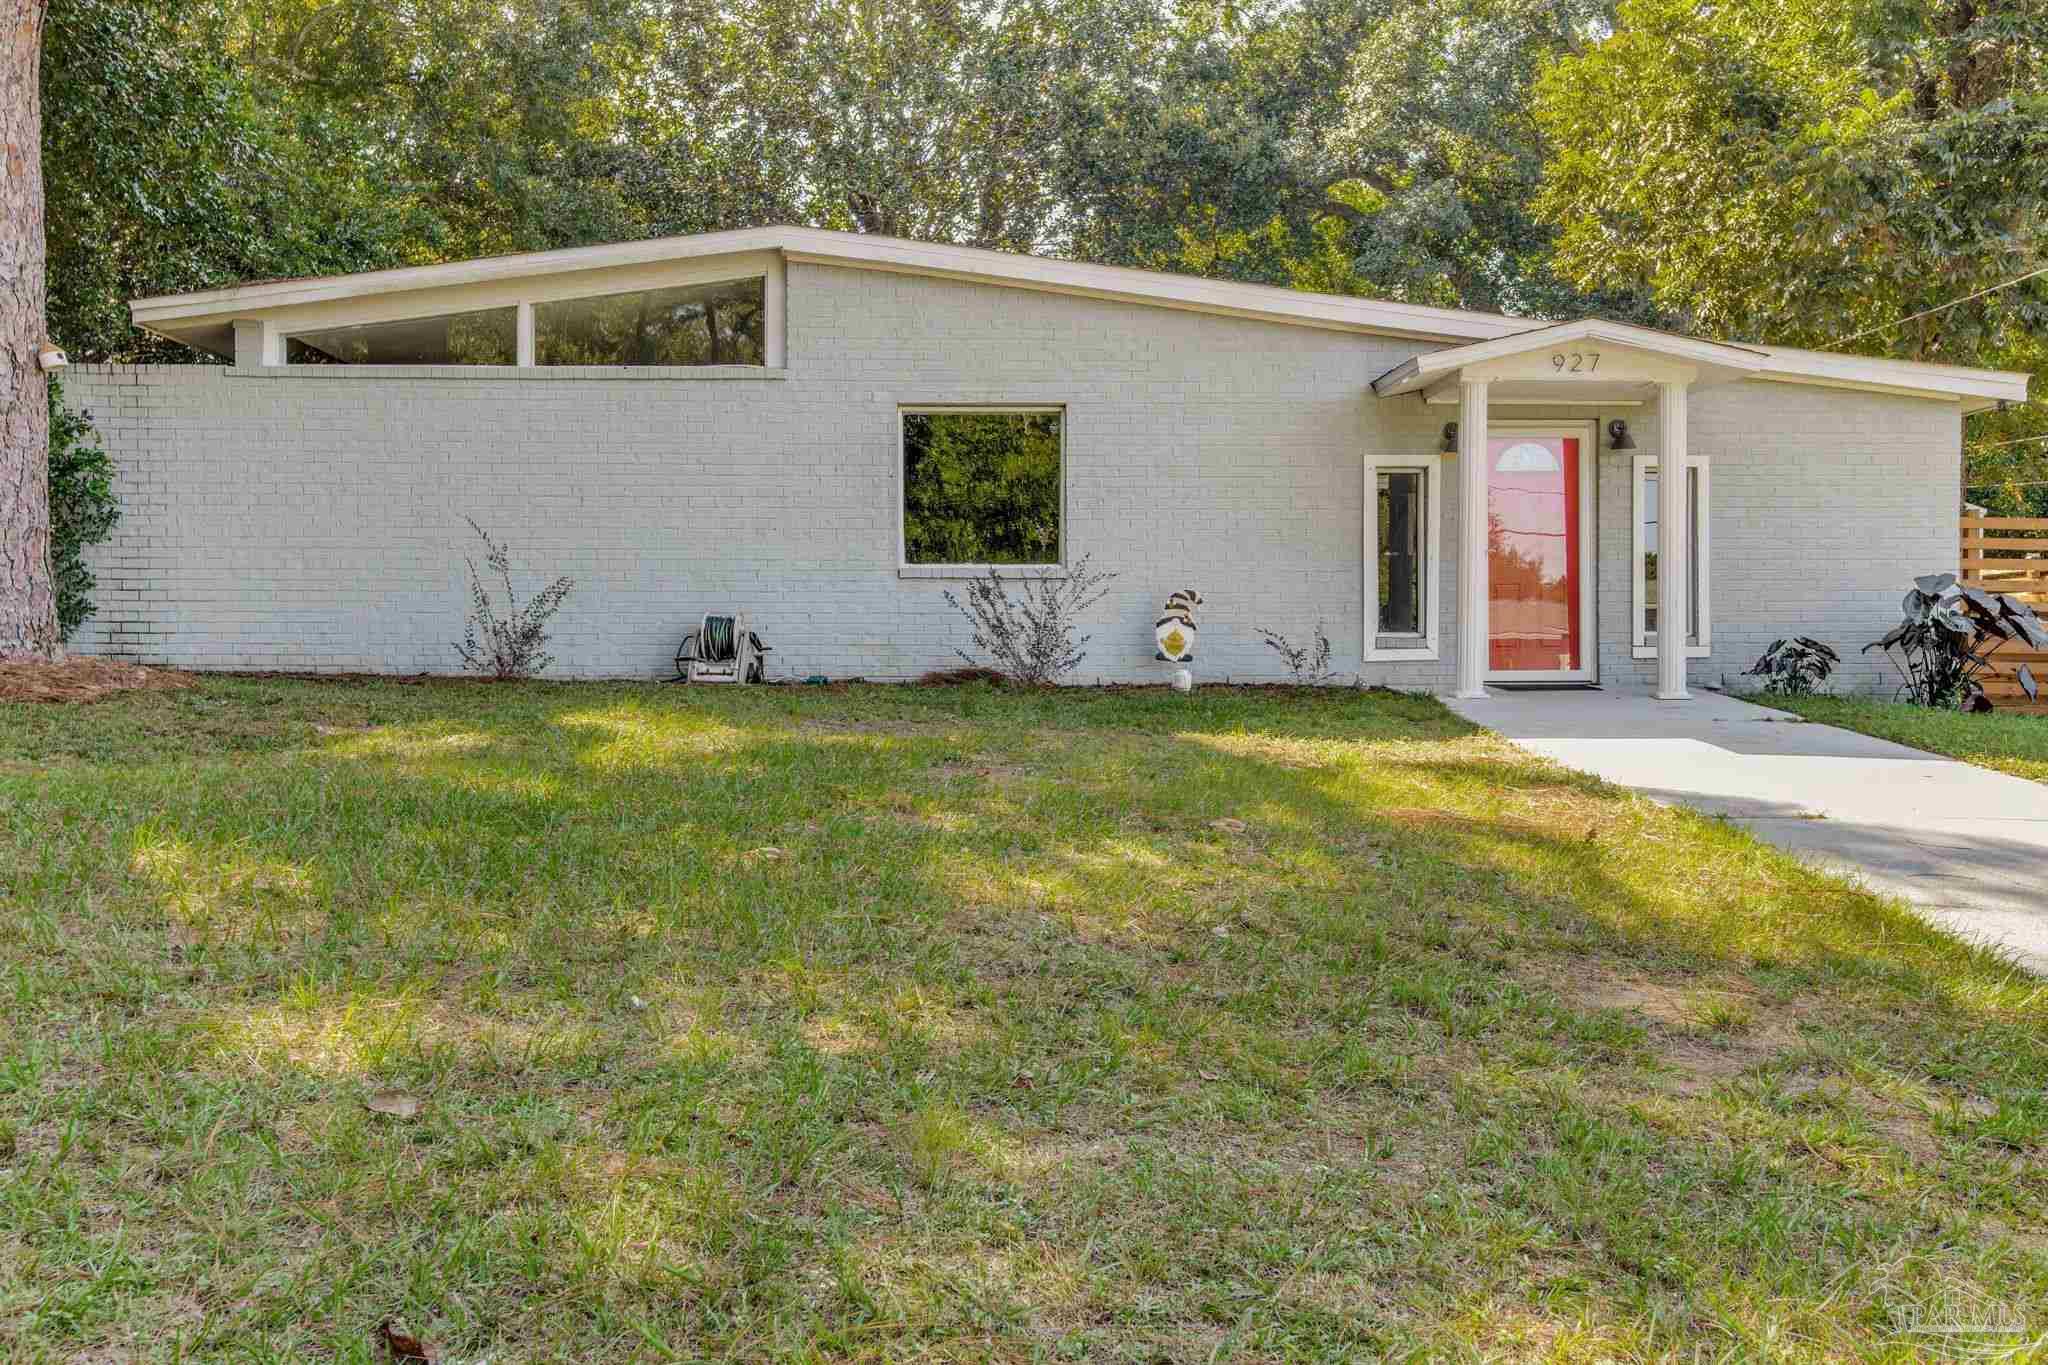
245, 298
856, 250
1976, 389
1271, 303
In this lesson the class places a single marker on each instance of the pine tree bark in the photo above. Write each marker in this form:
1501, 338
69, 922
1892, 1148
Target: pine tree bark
28, 595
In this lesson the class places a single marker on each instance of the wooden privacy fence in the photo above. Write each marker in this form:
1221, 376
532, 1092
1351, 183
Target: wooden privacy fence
2010, 555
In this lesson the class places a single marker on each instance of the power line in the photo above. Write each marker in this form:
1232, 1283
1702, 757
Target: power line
2019, 441
1942, 307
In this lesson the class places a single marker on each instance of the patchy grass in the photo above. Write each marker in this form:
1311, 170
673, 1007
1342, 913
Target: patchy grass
2016, 744
956, 1024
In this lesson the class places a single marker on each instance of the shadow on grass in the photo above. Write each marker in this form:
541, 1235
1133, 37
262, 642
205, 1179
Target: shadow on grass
746, 1028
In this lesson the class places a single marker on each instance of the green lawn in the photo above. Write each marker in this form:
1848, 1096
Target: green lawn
2016, 744
953, 1024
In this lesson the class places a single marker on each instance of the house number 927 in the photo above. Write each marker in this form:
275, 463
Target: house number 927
1575, 361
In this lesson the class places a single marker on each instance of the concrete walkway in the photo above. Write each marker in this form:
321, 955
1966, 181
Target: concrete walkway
1966, 846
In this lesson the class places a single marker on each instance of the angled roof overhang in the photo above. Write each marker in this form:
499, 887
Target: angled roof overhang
206, 318
1588, 358
1595, 359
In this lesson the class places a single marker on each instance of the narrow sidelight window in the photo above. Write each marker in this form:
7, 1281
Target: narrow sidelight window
1402, 496
1648, 539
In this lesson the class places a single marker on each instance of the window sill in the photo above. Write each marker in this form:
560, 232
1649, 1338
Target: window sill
1691, 651
1013, 572
1419, 652
520, 373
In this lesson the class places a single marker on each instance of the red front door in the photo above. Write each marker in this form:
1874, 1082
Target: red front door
1534, 564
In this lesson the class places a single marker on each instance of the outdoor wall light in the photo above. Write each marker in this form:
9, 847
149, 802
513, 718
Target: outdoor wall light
1618, 437
1449, 445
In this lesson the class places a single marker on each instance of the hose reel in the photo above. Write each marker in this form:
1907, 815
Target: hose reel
722, 650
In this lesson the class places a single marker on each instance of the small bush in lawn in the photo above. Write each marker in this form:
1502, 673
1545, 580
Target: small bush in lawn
1309, 663
1030, 634
506, 642
1798, 667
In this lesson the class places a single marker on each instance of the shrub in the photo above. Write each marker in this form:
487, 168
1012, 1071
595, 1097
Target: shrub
507, 643
82, 508
1794, 668
1308, 663
1943, 643
1030, 637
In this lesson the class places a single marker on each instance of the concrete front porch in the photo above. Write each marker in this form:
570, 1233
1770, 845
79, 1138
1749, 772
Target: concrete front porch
1966, 847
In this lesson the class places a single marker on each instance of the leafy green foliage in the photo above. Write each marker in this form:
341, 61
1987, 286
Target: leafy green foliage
981, 487
1803, 169
83, 509
167, 167
1818, 173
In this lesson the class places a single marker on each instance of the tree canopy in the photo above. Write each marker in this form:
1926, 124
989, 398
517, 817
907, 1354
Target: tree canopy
1811, 171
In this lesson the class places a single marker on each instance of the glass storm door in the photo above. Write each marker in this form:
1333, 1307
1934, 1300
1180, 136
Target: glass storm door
1539, 577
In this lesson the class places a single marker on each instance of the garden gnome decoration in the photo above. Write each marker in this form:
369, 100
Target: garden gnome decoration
1175, 629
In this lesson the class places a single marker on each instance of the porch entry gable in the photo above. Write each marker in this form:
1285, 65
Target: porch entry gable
1571, 364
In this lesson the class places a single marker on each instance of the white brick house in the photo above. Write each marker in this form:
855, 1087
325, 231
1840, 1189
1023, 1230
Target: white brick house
743, 446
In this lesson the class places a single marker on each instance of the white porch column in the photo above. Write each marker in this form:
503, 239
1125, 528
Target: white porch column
1674, 543
1472, 646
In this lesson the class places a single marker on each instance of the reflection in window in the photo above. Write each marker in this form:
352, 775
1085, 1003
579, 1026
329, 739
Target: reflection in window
1695, 561
1400, 549
981, 487
695, 324
481, 338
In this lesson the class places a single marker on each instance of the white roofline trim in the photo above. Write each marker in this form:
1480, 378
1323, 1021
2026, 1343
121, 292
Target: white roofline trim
1977, 389
1483, 336
815, 245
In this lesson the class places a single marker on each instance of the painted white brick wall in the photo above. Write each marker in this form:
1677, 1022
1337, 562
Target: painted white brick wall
315, 521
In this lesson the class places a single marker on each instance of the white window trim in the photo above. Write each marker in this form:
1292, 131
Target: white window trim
1426, 645
1645, 646
906, 569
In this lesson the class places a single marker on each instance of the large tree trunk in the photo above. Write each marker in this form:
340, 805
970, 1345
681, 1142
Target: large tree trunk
28, 596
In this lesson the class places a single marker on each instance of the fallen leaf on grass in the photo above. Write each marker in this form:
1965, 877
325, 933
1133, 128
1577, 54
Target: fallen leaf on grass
400, 1347
767, 853
1229, 824
393, 1104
